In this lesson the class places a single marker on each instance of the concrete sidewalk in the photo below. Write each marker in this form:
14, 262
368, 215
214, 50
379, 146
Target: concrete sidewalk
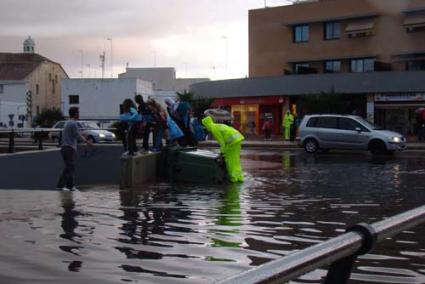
279, 144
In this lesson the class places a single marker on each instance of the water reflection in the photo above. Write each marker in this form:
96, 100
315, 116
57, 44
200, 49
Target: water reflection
69, 225
168, 233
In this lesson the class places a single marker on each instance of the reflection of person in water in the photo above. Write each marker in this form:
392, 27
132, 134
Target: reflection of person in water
69, 225
69, 222
230, 213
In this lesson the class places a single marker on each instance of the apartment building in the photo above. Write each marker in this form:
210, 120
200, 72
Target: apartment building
332, 36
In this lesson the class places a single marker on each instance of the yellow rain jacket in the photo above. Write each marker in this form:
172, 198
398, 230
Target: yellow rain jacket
229, 140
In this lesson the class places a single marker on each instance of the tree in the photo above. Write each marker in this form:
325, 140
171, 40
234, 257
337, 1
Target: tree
48, 117
198, 104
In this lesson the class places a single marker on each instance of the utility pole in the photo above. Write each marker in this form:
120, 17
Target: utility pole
112, 64
102, 64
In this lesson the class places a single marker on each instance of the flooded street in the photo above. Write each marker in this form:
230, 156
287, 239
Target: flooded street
163, 233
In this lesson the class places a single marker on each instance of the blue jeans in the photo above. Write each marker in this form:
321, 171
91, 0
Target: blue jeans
158, 133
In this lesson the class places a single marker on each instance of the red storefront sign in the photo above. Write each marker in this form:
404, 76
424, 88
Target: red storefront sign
272, 100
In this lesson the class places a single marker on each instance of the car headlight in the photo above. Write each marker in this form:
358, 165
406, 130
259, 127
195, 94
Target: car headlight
113, 135
395, 139
101, 135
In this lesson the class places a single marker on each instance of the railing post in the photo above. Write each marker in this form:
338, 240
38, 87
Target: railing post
40, 141
60, 139
12, 142
339, 271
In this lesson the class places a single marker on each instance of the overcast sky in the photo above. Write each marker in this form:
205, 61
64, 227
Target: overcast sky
200, 38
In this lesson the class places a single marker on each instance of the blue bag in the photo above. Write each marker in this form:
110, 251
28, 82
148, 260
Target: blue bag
198, 130
174, 131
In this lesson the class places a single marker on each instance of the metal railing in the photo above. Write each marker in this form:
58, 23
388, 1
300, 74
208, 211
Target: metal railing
340, 252
37, 132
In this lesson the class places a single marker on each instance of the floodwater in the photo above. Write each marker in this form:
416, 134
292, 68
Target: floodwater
162, 233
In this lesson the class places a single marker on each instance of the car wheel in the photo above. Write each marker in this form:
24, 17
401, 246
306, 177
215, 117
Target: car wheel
91, 139
311, 145
377, 147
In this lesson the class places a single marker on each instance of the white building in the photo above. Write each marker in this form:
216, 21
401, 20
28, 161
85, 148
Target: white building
13, 103
100, 99
163, 79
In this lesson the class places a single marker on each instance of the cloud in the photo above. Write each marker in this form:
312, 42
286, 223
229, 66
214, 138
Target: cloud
187, 34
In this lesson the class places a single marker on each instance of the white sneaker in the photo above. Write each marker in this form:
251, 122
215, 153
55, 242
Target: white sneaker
74, 188
63, 189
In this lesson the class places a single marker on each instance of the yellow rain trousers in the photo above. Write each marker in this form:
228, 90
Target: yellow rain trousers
288, 120
230, 141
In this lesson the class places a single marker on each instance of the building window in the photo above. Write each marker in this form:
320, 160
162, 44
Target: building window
362, 65
1, 88
74, 99
56, 78
50, 77
417, 65
53, 87
299, 68
332, 66
37, 89
332, 30
301, 33
38, 110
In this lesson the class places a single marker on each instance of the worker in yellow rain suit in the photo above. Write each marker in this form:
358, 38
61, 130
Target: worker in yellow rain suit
229, 140
288, 120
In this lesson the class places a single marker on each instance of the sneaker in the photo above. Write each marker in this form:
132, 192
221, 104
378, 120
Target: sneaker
62, 189
74, 188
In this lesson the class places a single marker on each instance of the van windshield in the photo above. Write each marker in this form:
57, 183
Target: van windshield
368, 124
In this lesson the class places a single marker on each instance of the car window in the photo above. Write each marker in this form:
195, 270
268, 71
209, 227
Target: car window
327, 122
89, 125
60, 124
350, 124
312, 122
369, 124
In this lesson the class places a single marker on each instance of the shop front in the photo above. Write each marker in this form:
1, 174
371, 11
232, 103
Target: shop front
250, 113
399, 112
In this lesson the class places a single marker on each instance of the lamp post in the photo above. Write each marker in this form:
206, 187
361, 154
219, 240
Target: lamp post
112, 72
82, 63
226, 52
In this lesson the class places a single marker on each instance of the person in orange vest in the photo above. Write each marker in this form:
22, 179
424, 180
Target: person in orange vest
230, 141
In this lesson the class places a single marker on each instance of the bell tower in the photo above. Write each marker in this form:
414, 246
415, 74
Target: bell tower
29, 45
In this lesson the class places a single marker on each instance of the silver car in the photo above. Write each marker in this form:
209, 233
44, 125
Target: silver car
88, 129
347, 132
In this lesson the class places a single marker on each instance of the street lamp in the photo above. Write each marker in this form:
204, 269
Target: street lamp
226, 52
112, 75
82, 63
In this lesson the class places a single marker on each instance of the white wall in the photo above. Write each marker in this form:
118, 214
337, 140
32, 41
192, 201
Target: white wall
99, 99
162, 78
12, 101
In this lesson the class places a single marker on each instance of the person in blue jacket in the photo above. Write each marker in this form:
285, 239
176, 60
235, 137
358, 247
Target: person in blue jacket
131, 116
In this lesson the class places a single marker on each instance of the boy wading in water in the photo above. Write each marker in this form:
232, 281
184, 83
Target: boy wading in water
70, 137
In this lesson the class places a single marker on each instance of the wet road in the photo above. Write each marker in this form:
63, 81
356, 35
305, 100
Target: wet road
162, 233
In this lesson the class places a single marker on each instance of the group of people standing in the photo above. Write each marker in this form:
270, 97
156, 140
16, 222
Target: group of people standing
173, 123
